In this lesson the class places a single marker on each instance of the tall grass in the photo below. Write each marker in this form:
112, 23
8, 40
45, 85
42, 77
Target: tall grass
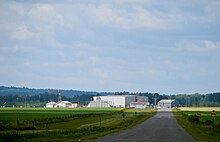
201, 127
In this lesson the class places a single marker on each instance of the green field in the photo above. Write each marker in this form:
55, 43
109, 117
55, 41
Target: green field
199, 122
12, 114
37, 124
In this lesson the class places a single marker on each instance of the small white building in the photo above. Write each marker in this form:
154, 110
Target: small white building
141, 102
65, 104
98, 103
61, 104
51, 105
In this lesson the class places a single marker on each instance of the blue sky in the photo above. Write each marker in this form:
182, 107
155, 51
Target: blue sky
118, 45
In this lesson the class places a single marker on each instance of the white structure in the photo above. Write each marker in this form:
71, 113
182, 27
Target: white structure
117, 100
141, 102
66, 104
51, 105
61, 104
167, 103
98, 103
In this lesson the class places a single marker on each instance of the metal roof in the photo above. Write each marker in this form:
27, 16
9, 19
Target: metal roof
166, 101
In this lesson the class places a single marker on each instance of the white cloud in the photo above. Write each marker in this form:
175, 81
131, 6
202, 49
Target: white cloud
45, 13
133, 1
134, 18
103, 74
17, 8
23, 33
82, 44
200, 46
14, 49
212, 9
93, 60
211, 45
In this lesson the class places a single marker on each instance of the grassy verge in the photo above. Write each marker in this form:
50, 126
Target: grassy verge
201, 130
77, 127
127, 123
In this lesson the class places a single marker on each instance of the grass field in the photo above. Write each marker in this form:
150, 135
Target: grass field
202, 127
64, 124
28, 114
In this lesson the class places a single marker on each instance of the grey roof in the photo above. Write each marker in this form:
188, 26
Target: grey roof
166, 101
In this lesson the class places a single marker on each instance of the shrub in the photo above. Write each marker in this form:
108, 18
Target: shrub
193, 118
208, 122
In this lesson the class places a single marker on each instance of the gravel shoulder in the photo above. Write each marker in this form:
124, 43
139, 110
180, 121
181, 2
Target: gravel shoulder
163, 127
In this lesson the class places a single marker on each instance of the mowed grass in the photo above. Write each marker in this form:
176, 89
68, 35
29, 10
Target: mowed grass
28, 114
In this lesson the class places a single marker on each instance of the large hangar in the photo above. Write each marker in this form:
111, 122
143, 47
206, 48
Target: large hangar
167, 103
115, 100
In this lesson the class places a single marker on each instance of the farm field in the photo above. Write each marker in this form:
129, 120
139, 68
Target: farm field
78, 123
199, 122
28, 114
200, 108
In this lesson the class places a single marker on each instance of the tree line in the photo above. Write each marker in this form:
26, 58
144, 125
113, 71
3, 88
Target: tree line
13, 96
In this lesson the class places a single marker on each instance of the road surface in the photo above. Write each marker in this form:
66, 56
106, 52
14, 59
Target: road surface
163, 127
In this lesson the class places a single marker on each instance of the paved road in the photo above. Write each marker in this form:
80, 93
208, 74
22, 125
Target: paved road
163, 127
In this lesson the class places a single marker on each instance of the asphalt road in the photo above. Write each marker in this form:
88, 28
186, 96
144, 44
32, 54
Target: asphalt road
163, 127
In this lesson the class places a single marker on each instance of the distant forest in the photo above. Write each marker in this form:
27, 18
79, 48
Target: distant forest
15, 96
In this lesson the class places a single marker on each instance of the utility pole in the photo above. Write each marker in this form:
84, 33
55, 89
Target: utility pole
17, 101
39, 100
155, 100
25, 100
188, 100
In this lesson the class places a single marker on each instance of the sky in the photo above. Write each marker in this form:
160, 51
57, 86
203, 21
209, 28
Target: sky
168, 47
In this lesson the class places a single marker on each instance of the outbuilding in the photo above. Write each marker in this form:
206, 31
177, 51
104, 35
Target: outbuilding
167, 103
51, 104
139, 104
98, 103
65, 104
117, 100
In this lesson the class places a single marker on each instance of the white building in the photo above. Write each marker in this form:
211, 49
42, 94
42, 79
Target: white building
65, 104
98, 103
141, 102
51, 105
167, 103
60, 103
117, 100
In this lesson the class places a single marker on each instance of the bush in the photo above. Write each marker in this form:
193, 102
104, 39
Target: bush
1, 126
193, 118
208, 122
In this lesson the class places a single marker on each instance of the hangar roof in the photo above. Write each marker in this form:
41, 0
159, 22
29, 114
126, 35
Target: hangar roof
166, 101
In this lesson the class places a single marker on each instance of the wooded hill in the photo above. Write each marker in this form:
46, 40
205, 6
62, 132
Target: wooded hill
38, 97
